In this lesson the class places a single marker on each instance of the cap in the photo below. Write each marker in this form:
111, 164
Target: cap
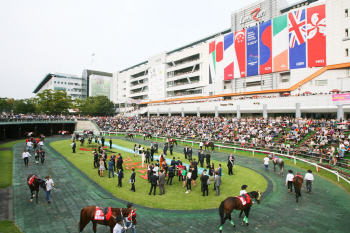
309, 171
290, 171
130, 204
118, 218
244, 186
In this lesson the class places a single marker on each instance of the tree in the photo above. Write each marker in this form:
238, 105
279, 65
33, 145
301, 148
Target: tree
97, 106
53, 102
6, 104
24, 106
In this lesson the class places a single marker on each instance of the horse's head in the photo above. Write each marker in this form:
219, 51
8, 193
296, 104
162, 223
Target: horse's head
257, 196
42, 183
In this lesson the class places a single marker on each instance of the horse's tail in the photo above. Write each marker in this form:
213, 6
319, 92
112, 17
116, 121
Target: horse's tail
175, 142
81, 219
297, 189
282, 166
222, 210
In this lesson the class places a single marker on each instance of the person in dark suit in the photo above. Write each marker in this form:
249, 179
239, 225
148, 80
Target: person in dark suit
200, 158
185, 151
74, 145
95, 159
147, 156
120, 177
165, 148
189, 154
162, 182
152, 153
171, 148
230, 163
171, 174
207, 160
156, 147
149, 172
110, 168
132, 180
173, 162
154, 179
219, 170
120, 162
103, 141
110, 143
204, 182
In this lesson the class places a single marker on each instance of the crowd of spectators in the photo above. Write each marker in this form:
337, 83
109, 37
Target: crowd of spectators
32, 117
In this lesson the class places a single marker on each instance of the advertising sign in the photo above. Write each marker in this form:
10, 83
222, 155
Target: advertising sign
338, 99
99, 85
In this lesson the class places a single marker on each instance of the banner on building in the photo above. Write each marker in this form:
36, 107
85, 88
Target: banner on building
216, 59
100, 86
316, 36
156, 83
265, 47
240, 52
252, 51
229, 54
338, 99
297, 39
280, 43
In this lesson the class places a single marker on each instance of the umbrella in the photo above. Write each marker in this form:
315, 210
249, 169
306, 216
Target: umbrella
307, 92
286, 93
255, 96
335, 90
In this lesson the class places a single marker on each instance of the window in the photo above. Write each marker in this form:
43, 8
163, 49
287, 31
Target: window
346, 52
211, 93
65, 83
124, 95
124, 82
124, 89
321, 83
347, 32
346, 13
68, 89
54, 81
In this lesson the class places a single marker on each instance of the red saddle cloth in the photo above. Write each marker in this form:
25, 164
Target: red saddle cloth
245, 199
206, 143
31, 179
99, 215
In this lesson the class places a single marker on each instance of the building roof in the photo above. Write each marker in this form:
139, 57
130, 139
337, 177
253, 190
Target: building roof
96, 72
42, 83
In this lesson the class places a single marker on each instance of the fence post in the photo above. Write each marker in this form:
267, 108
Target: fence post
235, 150
192, 143
253, 153
338, 176
295, 160
316, 167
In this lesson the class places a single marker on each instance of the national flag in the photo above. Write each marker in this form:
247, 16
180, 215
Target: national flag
229, 51
252, 51
212, 60
280, 43
297, 39
240, 52
219, 48
316, 36
265, 47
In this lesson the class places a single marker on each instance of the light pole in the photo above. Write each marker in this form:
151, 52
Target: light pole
299, 88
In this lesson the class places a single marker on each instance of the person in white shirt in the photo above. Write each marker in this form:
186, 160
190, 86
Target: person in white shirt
289, 181
156, 170
25, 156
309, 179
29, 145
201, 145
41, 145
49, 185
266, 163
243, 191
128, 222
118, 227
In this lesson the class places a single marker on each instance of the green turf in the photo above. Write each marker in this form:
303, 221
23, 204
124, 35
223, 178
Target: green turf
6, 169
175, 197
7, 226
10, 144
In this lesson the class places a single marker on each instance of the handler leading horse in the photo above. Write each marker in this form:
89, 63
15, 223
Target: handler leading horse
87, 214
232, 203
297, 182
34, 184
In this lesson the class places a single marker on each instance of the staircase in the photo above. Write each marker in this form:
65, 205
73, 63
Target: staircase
88, 125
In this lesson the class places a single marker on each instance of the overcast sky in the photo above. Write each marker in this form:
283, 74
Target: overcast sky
40, 37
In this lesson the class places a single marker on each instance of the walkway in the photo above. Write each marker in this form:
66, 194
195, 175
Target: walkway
325, 210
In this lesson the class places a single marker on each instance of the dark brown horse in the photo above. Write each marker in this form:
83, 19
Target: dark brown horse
297, 182
234, 203
173, 140
209, 144
130, 136
147, 135
87, 214
34, 184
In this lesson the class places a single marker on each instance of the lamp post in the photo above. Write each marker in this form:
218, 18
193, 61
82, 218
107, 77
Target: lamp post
299, 88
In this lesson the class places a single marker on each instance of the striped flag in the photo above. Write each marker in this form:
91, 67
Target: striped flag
280, 43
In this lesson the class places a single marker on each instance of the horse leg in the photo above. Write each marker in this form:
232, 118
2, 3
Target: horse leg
240, 214
274, 166
282, 169
37, 191
31, 195
94, 224
246, 215
229, 217
222, 222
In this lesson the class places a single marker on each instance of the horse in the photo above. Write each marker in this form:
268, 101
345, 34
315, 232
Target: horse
87, 214
280, 163
42, 137
34, 184
147, 135
209, 144
297, 183
130, 136
231, 203
173, 140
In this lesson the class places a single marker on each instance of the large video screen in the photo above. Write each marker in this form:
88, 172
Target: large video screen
99, 86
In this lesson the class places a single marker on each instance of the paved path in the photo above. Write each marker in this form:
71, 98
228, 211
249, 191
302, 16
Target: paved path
326, 210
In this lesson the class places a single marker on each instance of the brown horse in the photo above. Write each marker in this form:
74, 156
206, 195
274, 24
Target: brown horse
209, 144
173, 140
147, 135
130, 136
34, 184
297, 182
232, 203
87, 214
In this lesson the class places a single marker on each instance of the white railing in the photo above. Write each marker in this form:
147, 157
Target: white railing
243, 149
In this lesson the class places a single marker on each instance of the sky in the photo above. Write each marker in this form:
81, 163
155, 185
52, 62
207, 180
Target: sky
54, 36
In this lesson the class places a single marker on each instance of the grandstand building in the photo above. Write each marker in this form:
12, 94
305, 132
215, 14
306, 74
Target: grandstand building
273, 55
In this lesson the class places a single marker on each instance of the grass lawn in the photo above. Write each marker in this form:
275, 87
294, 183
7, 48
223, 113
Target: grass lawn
6, 164
175, 197
7, 226
10, 144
